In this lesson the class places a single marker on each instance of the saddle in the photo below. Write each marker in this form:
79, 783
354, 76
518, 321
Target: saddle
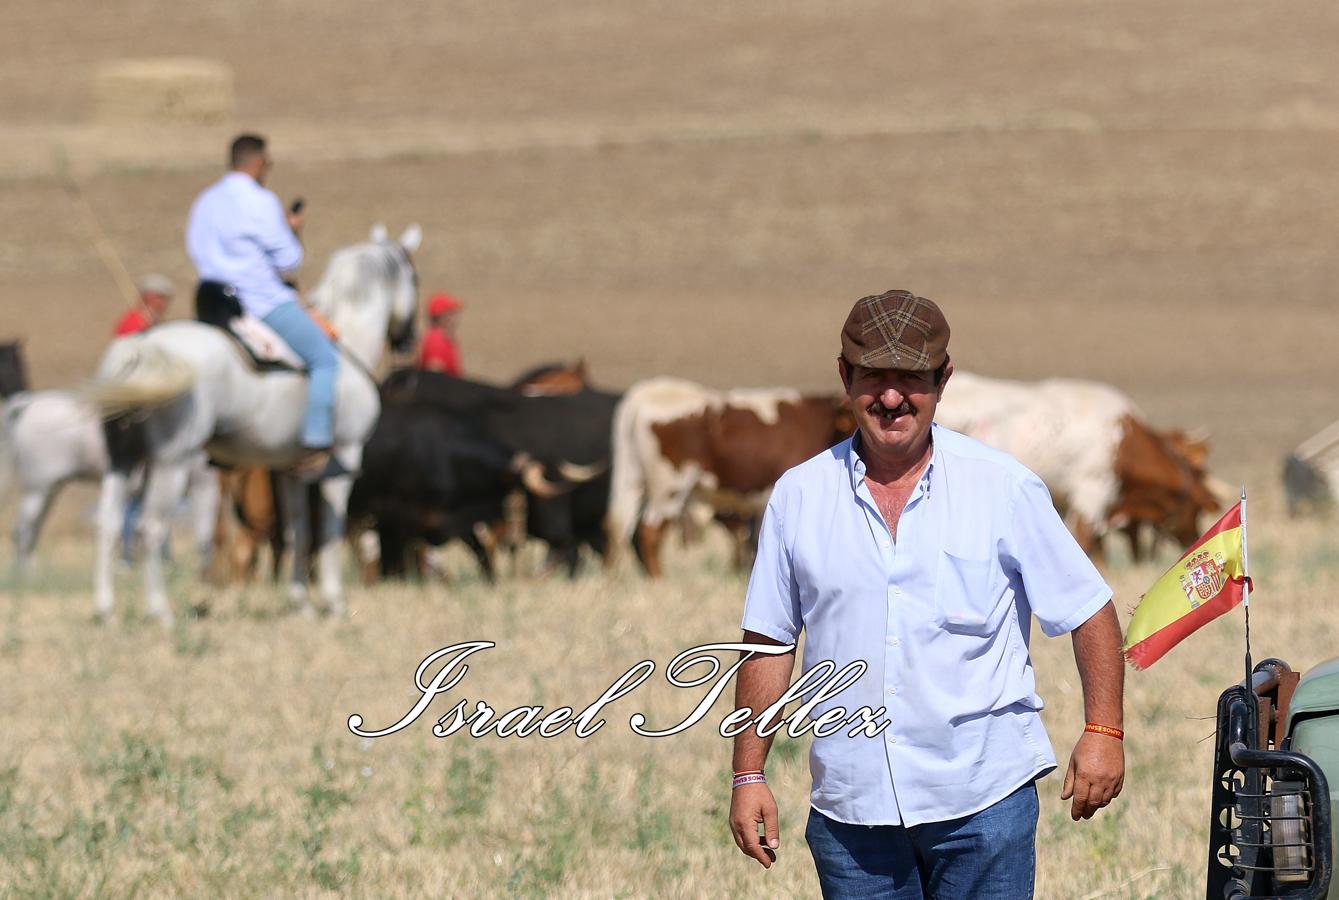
217, 304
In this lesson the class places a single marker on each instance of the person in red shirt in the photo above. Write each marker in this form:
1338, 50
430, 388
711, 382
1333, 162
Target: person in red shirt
439, 351
155, 293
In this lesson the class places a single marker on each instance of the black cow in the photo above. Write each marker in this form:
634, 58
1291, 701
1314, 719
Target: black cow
566, 433
427, 476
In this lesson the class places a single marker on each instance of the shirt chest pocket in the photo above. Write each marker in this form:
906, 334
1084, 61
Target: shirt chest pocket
970, 594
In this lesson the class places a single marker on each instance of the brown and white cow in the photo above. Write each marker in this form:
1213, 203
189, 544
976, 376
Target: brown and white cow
676, 441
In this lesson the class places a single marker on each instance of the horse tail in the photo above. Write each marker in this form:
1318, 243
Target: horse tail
136, 374
627, 487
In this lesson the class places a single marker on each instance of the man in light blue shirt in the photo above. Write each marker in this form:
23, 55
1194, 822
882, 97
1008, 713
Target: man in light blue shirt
924, 555
243, 243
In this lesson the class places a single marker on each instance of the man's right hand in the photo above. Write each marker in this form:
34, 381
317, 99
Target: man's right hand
295, 220
751, 805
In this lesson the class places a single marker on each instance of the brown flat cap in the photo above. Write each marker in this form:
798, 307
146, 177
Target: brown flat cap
896, 330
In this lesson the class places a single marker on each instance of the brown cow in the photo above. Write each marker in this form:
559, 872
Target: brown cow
675, 440
1163, 484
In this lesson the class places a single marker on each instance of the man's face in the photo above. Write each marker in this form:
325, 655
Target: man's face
893, 407
156, 304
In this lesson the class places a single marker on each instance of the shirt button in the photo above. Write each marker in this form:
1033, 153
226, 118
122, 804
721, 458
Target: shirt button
892, 739
885, 545
892, 690
894, 641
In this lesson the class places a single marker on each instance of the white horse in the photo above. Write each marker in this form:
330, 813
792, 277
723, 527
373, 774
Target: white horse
51, 438
195, 390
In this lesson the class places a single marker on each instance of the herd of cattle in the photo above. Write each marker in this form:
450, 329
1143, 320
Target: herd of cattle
551, 458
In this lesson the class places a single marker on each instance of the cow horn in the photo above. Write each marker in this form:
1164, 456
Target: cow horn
532, 476
1225, 492
579, 474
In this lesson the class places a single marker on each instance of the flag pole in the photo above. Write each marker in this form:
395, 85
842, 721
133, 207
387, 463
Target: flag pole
1246, 588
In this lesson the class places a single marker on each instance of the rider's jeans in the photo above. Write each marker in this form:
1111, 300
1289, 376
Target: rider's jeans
308, 341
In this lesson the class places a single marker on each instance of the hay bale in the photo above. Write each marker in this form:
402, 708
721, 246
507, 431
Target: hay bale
181, 91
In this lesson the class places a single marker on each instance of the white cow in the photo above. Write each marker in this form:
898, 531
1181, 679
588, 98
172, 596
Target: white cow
1090, 444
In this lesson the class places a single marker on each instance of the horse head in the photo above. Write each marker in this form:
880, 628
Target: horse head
404, 300
370, 293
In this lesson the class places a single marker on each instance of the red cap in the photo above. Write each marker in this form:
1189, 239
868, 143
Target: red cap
441, 304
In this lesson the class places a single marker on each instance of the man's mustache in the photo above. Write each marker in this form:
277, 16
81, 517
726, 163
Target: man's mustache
877, 408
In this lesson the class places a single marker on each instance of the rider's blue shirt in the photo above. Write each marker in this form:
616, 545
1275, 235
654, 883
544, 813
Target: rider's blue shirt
238, 234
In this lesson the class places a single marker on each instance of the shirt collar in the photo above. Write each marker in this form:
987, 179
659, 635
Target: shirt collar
855, 466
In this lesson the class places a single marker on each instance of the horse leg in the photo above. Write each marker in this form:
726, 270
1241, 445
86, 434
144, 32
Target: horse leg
330, 545
295, 535
111, 513
33, 507
167, 482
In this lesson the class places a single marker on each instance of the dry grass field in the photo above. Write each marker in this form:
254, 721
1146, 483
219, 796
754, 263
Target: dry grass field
1138, 193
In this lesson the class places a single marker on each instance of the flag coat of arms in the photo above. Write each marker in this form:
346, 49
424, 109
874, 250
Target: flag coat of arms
1202, 585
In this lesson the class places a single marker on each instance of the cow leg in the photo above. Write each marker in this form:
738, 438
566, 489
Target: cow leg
754, 531
296, 537
33, 508
1088, 539
167, 482
1132, 536
599, 542
648, 546
419, 557
224, 531
483, 553
390, 535
744, 530
111, 513
330, 543
274, 525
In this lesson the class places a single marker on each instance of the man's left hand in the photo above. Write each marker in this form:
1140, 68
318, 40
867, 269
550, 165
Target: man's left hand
1096, 774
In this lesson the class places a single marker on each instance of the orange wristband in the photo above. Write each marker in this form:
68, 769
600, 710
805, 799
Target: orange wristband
1105, 729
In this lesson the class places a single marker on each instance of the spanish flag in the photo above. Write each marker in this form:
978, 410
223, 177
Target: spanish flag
1198, 588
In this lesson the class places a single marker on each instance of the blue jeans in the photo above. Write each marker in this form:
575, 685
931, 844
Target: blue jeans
989, 855
308, 341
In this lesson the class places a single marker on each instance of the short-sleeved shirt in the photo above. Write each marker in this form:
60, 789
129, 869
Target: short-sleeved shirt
439, 353
238, 235
133, 322
941, 615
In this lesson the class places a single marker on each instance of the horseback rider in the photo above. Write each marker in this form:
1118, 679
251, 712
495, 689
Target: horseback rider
243, 243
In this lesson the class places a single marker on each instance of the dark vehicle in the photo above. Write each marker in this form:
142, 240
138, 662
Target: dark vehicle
1270, 832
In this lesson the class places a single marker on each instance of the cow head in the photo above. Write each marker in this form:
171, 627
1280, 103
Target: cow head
1160, 484
1305, 487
